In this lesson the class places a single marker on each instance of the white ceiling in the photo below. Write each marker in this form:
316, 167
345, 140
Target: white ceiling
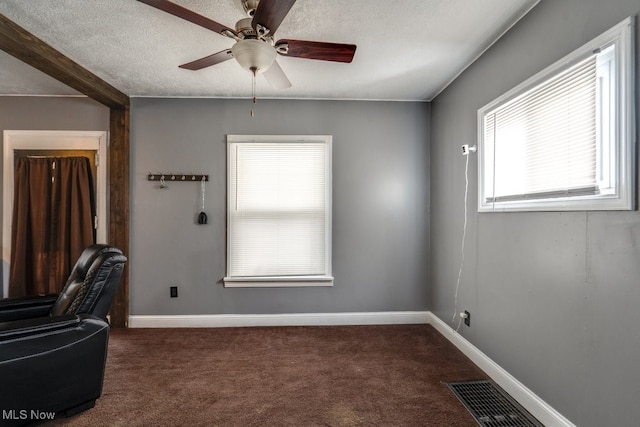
407, 49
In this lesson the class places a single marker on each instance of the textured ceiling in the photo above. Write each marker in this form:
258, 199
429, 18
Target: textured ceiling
407, 49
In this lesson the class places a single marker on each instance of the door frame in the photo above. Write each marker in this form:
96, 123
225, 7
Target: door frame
50, 140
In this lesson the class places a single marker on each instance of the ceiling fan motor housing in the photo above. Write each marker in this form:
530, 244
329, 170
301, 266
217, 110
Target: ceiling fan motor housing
244, 29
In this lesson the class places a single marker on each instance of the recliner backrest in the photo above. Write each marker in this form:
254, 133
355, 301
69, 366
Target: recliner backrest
92, 283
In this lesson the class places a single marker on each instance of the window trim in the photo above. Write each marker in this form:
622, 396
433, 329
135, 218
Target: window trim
622, 35
283, 281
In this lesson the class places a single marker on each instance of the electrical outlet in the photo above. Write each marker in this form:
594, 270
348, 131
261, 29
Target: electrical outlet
467, 318
173, 291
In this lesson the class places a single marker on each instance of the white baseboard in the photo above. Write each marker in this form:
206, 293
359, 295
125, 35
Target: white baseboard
529, 400
295, 319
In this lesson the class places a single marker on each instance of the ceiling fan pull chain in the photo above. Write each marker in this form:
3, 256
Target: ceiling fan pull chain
253, 89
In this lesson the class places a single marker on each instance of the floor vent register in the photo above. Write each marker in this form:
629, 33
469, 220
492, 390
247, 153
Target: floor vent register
491, 406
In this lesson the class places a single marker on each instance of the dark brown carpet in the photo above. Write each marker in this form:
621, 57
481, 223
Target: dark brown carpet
284, 376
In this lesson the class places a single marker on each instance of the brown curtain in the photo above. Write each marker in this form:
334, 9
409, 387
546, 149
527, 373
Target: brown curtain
53, 214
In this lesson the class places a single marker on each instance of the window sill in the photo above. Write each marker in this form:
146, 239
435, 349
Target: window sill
602, 202
277, 282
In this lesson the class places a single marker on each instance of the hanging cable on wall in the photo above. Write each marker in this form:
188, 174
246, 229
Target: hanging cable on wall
466, 151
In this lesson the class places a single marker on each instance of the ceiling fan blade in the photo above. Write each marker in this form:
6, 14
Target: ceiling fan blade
336, 52
208, 61
181, 12
276, 77
270, 13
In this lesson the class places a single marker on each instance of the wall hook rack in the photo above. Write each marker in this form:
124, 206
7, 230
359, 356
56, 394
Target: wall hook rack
177, 177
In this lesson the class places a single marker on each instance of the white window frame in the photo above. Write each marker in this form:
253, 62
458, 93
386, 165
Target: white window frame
283, 281
619, 170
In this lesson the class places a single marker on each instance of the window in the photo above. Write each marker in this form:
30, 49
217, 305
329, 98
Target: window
564, 139
278, 211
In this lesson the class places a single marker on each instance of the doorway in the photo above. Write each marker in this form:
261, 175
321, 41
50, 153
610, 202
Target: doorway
66, 143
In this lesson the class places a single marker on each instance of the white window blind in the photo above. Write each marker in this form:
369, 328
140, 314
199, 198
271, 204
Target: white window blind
544, 142
279, 208
562, 140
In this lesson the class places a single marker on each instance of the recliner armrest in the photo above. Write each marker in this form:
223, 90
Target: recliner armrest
40, 325
17, 308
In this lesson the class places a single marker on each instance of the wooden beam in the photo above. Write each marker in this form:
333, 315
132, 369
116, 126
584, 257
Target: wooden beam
31, 50
18, 42
119, 206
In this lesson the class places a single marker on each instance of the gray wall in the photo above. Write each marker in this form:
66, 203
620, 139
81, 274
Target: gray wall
553, 296
380, 205
49, 113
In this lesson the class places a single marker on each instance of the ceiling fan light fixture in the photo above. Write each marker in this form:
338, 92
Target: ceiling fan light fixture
254, 54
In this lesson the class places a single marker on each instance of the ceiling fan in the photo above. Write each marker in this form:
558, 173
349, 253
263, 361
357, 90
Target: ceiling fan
255, 48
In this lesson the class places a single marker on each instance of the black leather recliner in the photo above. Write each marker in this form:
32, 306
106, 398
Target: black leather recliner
53, 348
